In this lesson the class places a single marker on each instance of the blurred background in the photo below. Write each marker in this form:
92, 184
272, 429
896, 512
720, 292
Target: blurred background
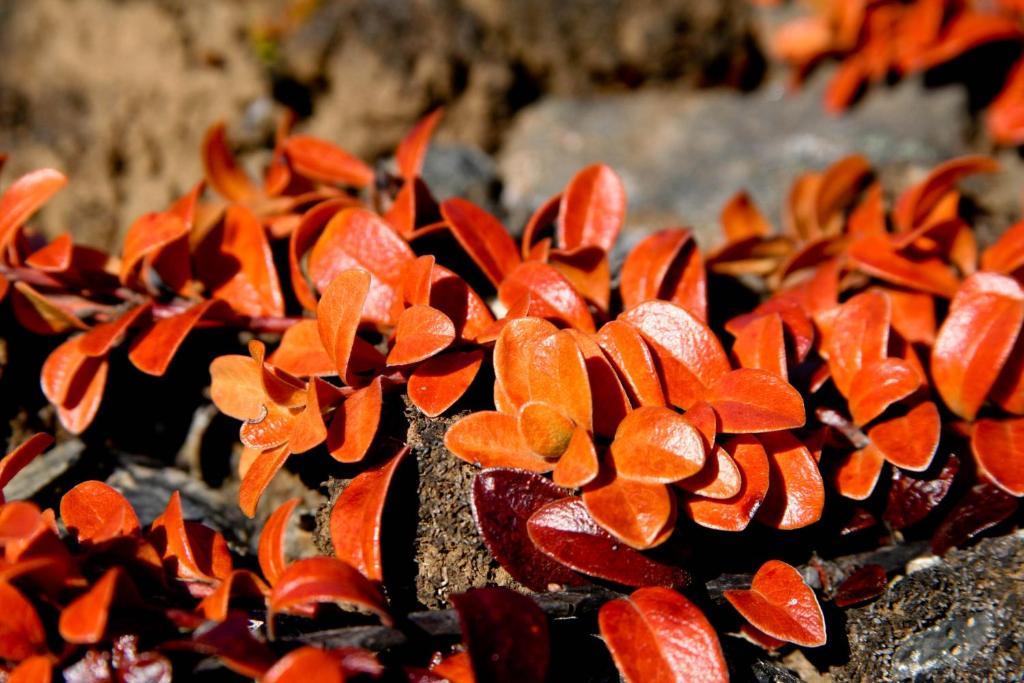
678, 95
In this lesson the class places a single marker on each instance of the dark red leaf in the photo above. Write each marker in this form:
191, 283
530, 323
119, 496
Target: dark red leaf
912, 496
506, 634
983, 506
867, 583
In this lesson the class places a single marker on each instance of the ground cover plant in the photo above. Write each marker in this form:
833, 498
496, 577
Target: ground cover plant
857, 374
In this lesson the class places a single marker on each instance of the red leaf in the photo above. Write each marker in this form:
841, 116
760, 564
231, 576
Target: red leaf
657, 445
859, 337
796, 493
780, 604
21, 632
666, 265
633, 361
552, 295
240, 583
878, 385
436, 384
413, 149
338, 314
325, 162
305, 664
101, 339
492, 439
876, 256
909, 441
35, 669
357, 516
742, 219
867, 583
422, 332
558, 376
506, 634
84, 621
43, 314
689, 355
23, 198
153, 350
983, 506
222, 171
483, 237
302, 238
912, 498
149, 234
976, 340
358, 238
272, 541
564, 531
1007, 253
917, 202
747, 400
355, 423
593, 209
513, 351
658, 635
720, 478
95, 512
324, 579
735, 513
578, 465
997, 446
258, 476
503, 500
301, 352
74, 383
588, 271
639, 514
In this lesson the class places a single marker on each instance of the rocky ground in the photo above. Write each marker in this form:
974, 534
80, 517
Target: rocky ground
676, 95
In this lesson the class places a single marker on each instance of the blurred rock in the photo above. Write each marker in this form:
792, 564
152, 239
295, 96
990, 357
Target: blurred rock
682, 155
957, 619
452, 170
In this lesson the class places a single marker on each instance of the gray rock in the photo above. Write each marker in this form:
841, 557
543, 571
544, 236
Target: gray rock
452, 170
957, 619
682, 155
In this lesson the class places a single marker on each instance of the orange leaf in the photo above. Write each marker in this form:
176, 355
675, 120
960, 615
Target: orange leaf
996, 445
742, 219
222, 171
780, 604
913, 316
657, 445
633, 361
688, 353
436, 384
95, 512
666, 265
545, 429
796, 493
483, 237
308, 429
609, 400
761, 345
153, 349
748, 400
512, 353
305, 664
909, 441
735, 513
23, 198
302, 238
1007, 253
258, 477
878, 385
578, 465
84, 621
658, 635
149, 234
338, 314
917, 202
552, 295
17, 459
357, 517
720, 478
587, 269
35, 669
876, 255
301, 352
422, 332
976, 340
355, 423
235, 262
272, 541
558, 376
859, 337
857, 474
21, 632
358, 238
240, 583
324, 579
412, 150
639, 514
101, 339
74, 383
492, 439
593, 209
325, 162
43, 314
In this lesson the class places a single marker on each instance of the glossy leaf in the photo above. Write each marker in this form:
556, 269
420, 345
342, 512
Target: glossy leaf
222, 171
866, 583
306, 664
258, 477
666, 265
593, 209
320, 160
483, 237
859, 337
20, 456
557, 375
858, 472
735, 513
413, 149
878, 385
796, 493
997, 445
748, 400
982, 507
437, 383
689, 356
742, 219
324, 580
552, 295
513, 351
492, 439
503, 500
912, 497
633, 361
657, 445
95, 512
781, 604
154, 349
639, 514
658, 635
720, 478
579, 464
564, 531
84, 620
357, 515
909, 441
761, 345
272, 541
